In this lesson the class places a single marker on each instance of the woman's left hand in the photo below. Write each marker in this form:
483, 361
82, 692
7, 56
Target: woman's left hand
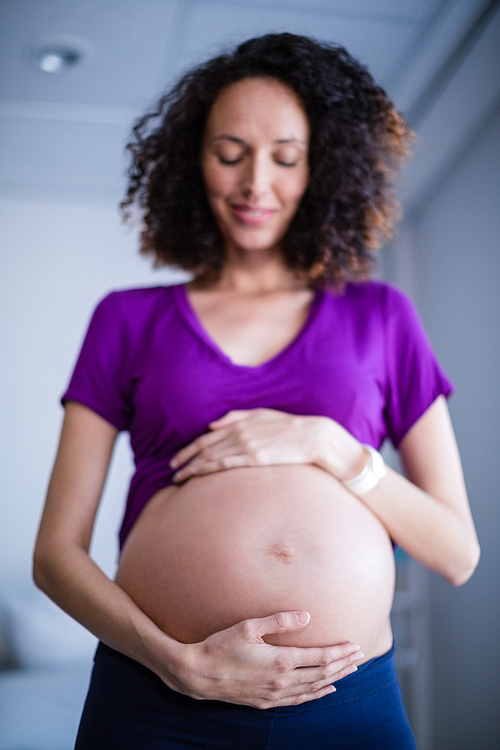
264, 437
256, 437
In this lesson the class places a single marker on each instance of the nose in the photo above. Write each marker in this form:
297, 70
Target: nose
257, 177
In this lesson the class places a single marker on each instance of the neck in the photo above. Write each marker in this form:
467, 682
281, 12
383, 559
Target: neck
256, 273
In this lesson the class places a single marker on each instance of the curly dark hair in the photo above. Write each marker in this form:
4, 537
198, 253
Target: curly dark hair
357, 141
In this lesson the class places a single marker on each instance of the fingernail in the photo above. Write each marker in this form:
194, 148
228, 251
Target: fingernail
359, 656
302, 617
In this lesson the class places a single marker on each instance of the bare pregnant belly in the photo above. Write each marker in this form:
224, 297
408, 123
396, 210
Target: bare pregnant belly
250, 542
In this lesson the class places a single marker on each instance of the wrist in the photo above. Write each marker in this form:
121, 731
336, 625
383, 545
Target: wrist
370, 475
338, 451
359, 460
165, 657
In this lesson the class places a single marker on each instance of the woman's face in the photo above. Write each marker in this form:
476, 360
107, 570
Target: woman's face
255, 162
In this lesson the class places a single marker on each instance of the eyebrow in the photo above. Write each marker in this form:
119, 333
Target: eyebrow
243, 143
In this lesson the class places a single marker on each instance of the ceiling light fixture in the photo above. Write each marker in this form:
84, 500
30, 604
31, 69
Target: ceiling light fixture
55, 59
58, 53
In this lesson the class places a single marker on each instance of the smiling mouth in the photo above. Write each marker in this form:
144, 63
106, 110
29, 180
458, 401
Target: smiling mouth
252, 216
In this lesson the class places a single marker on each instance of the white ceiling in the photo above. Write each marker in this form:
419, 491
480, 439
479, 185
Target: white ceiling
63, 134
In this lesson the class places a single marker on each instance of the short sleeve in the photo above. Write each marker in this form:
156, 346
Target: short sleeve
99, 379
414, 376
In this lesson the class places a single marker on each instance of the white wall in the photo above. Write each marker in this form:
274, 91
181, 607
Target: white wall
458, 274
58, 259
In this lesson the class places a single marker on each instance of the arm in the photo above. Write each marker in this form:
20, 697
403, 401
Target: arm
427, 514
62, 567
235, 665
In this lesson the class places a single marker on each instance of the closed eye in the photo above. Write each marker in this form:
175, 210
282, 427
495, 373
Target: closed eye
229, 161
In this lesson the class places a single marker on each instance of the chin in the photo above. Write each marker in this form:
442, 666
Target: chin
269, 243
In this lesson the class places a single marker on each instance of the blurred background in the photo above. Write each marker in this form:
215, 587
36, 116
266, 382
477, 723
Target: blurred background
73, 76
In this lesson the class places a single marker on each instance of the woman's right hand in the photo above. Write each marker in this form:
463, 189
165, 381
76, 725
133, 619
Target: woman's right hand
236, 665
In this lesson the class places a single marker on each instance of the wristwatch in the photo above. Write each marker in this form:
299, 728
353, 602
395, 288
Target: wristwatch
370, 476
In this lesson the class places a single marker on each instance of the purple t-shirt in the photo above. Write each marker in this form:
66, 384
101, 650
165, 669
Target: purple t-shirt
148, 366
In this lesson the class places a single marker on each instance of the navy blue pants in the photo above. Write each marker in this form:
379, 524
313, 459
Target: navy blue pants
128, 707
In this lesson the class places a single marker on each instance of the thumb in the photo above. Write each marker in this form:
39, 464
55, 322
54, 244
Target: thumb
281, 622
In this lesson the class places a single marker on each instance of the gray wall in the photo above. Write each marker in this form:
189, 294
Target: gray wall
457, 262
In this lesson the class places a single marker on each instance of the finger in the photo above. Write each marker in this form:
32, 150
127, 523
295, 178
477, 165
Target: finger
320, 657
314, 689
319, 681
280, 622
316, 677
191, 450
201, 468
294, 699
304, 697
230, 418
185, 454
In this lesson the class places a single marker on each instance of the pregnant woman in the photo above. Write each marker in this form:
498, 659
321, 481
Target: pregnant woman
251, 603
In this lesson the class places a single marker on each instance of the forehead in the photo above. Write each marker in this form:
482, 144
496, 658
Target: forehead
258, 107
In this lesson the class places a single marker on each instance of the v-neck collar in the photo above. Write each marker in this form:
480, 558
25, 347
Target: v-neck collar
196, 325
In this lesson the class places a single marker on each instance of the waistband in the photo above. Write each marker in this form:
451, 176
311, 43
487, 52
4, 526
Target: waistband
373, 675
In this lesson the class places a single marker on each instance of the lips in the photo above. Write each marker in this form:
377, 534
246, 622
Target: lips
251, 216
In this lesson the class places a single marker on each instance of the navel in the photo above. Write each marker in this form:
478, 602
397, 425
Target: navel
282, 552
